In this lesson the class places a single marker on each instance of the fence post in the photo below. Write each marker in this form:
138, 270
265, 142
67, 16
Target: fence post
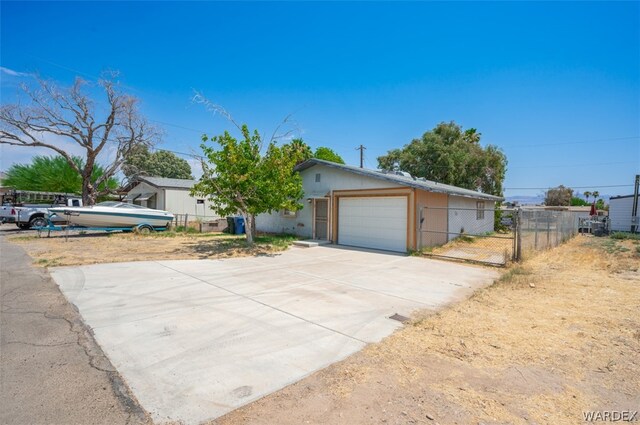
186, 221
535, 214
549, 232
518, 234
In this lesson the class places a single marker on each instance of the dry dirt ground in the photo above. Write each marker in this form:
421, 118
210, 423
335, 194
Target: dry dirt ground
557, 336
495, 249
79, 249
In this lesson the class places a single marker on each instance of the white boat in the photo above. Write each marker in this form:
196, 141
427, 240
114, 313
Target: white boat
114, 214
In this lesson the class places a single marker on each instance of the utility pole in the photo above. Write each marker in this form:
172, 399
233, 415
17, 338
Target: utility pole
361, 149
634, 207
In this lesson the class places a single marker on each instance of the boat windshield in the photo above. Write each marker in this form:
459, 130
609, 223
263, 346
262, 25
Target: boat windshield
115, 204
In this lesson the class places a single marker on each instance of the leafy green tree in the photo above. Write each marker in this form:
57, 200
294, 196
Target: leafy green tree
447, 154
558, 196
578, 202
239, 179
328, 155
54, 174
141, 162
601, 205
305, 152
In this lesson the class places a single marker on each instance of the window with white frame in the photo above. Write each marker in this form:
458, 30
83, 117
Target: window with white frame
480, 210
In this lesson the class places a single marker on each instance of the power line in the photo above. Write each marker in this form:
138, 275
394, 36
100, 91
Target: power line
540, 166
96, 78
575, 165
179, 126
575, 142
193, 155
569, 186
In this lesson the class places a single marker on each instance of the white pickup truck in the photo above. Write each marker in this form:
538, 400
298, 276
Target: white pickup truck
7, 214
28, 208
28, 216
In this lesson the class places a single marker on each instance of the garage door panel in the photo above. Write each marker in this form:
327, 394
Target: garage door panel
373, 222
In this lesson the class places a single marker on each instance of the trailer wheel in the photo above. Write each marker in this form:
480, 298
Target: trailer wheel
23, 226
38, 221
144, 229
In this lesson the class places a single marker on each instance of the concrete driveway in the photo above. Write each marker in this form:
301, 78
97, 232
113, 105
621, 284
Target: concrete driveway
197, 339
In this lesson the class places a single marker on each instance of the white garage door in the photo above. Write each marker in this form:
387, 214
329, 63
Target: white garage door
373, 222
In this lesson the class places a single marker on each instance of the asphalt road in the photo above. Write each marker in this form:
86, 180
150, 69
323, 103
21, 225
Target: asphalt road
51, 369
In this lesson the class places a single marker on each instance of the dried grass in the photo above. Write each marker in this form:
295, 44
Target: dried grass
122, 247
555, 336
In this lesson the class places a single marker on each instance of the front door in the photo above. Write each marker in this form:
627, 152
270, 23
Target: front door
321, 221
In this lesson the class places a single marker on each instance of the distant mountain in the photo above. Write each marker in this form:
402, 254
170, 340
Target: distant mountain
525, 200
603, 196
539, 199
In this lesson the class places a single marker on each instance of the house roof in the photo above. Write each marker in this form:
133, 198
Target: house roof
162, 182
404, 180
574, 208
621, 197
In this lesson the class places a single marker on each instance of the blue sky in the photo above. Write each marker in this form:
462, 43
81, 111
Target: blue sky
555, 85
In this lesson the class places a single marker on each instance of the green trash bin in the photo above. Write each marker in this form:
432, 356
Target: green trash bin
231, 225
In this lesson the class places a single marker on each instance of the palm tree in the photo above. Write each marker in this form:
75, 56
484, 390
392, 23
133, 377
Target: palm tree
587, 194
595, 194
299, 146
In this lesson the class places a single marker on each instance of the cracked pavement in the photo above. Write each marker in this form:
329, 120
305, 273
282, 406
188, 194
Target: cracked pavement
51, 369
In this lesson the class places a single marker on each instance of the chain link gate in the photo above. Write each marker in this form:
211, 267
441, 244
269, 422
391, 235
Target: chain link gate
492, 236
481, 235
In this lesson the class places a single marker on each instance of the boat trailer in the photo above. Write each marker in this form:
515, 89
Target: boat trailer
142, 228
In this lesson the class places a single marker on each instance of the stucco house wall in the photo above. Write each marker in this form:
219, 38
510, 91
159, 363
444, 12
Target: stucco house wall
432, 216
463, 216
453, 209
329, 179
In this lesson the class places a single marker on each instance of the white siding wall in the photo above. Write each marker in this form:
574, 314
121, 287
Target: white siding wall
330, 179
463, 215
620, 214
156, 202
176, 201
180, 201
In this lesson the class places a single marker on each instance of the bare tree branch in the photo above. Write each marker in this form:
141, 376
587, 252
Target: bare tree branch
214, 108
70, 114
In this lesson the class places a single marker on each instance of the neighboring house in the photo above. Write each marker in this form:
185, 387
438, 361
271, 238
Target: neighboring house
171, 195
620, 210
373, 209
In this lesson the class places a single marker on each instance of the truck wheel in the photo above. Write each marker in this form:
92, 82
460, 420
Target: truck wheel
38, 221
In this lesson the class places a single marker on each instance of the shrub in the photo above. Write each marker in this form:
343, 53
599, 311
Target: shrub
625, 236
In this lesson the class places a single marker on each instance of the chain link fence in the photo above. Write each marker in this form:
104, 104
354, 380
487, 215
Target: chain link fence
491, 236
482, 235
201, 223
543, 229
